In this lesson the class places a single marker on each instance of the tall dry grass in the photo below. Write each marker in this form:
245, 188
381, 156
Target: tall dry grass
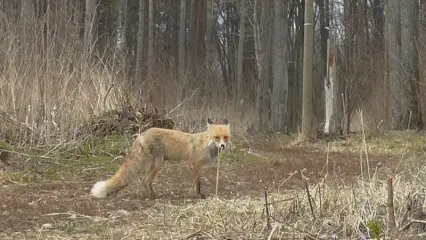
45, 86
48, 85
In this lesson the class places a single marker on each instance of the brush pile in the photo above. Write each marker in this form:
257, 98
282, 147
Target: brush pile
126, 121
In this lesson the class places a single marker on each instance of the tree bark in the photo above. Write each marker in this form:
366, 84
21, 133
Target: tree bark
399, 96
150, 39
141, 27
89, 25
279, 67
262, 31
409, 57
239, 91
182, 44
209, 34
307, 131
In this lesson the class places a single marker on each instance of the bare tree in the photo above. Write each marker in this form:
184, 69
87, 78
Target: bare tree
150, 39
399, 94
409, 57
240, 59
262, 40
26, 19
121, 41
89, 25
141, 28
307, 71
182, 43
209, 34
279, 67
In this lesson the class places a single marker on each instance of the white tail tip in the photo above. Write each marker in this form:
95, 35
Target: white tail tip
99, 190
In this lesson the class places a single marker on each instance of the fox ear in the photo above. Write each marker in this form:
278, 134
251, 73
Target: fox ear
225, 121
209, 121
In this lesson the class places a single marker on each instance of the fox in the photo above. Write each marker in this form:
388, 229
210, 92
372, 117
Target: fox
154, 146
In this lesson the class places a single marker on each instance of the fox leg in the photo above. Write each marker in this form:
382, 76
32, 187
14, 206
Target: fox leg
196, 172
153, 170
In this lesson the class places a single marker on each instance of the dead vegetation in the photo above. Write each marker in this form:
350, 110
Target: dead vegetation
263, 194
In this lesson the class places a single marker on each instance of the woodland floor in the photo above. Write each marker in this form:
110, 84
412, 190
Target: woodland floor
59, 206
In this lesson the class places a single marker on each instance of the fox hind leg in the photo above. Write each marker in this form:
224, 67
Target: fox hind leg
155, 166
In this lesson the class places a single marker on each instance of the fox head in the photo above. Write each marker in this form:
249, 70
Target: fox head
220, 133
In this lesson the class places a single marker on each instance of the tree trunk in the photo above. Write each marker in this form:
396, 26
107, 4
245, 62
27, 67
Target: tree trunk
210, 84
333, 91
182, 44
239, 90
422, 64
279, 67
150, 39
191, 36
88, 28
399, 96
409, 57
141, 27
262, 38
121, 41
307, 131
26, 20
209, 35
321, 68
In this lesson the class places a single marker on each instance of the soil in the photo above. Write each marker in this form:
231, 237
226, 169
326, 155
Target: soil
29, 207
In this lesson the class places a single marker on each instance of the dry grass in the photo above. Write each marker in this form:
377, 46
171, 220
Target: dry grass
347, 208
346, 212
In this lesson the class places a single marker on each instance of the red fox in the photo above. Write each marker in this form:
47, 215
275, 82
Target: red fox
156, 145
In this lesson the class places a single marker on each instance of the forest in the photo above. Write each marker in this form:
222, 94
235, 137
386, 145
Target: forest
241, 60
326, 100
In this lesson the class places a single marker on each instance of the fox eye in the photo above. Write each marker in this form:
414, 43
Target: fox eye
226, 138
217, 138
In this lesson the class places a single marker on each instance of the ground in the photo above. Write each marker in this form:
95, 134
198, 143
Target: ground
54, 203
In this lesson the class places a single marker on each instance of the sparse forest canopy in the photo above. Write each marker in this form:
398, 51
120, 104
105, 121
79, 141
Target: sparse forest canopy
63, 62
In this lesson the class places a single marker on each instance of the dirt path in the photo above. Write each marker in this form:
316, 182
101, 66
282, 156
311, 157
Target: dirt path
31, 207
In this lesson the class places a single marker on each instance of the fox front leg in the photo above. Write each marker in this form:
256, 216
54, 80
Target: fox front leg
196, 172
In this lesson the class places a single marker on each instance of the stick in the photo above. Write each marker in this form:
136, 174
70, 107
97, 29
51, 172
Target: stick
217, 170
391, 211
308, 193
268, 224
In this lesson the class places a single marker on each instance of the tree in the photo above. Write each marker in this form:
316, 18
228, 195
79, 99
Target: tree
209, 34
409, 59
307, 71
402, 58
121, 41
182, 44
150, 39
262, 41
239, 90
89, 26
141, 28
279, 67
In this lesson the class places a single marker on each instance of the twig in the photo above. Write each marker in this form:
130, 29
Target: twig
276, 225
180, 104
268, 224
107, 93
308, 193
291, 175
364, 142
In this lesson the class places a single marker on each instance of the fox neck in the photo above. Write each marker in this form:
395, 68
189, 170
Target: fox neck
211, 153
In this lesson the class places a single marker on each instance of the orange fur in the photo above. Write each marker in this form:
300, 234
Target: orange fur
156, 145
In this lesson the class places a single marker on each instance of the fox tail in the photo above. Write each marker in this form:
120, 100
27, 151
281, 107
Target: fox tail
123, 176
